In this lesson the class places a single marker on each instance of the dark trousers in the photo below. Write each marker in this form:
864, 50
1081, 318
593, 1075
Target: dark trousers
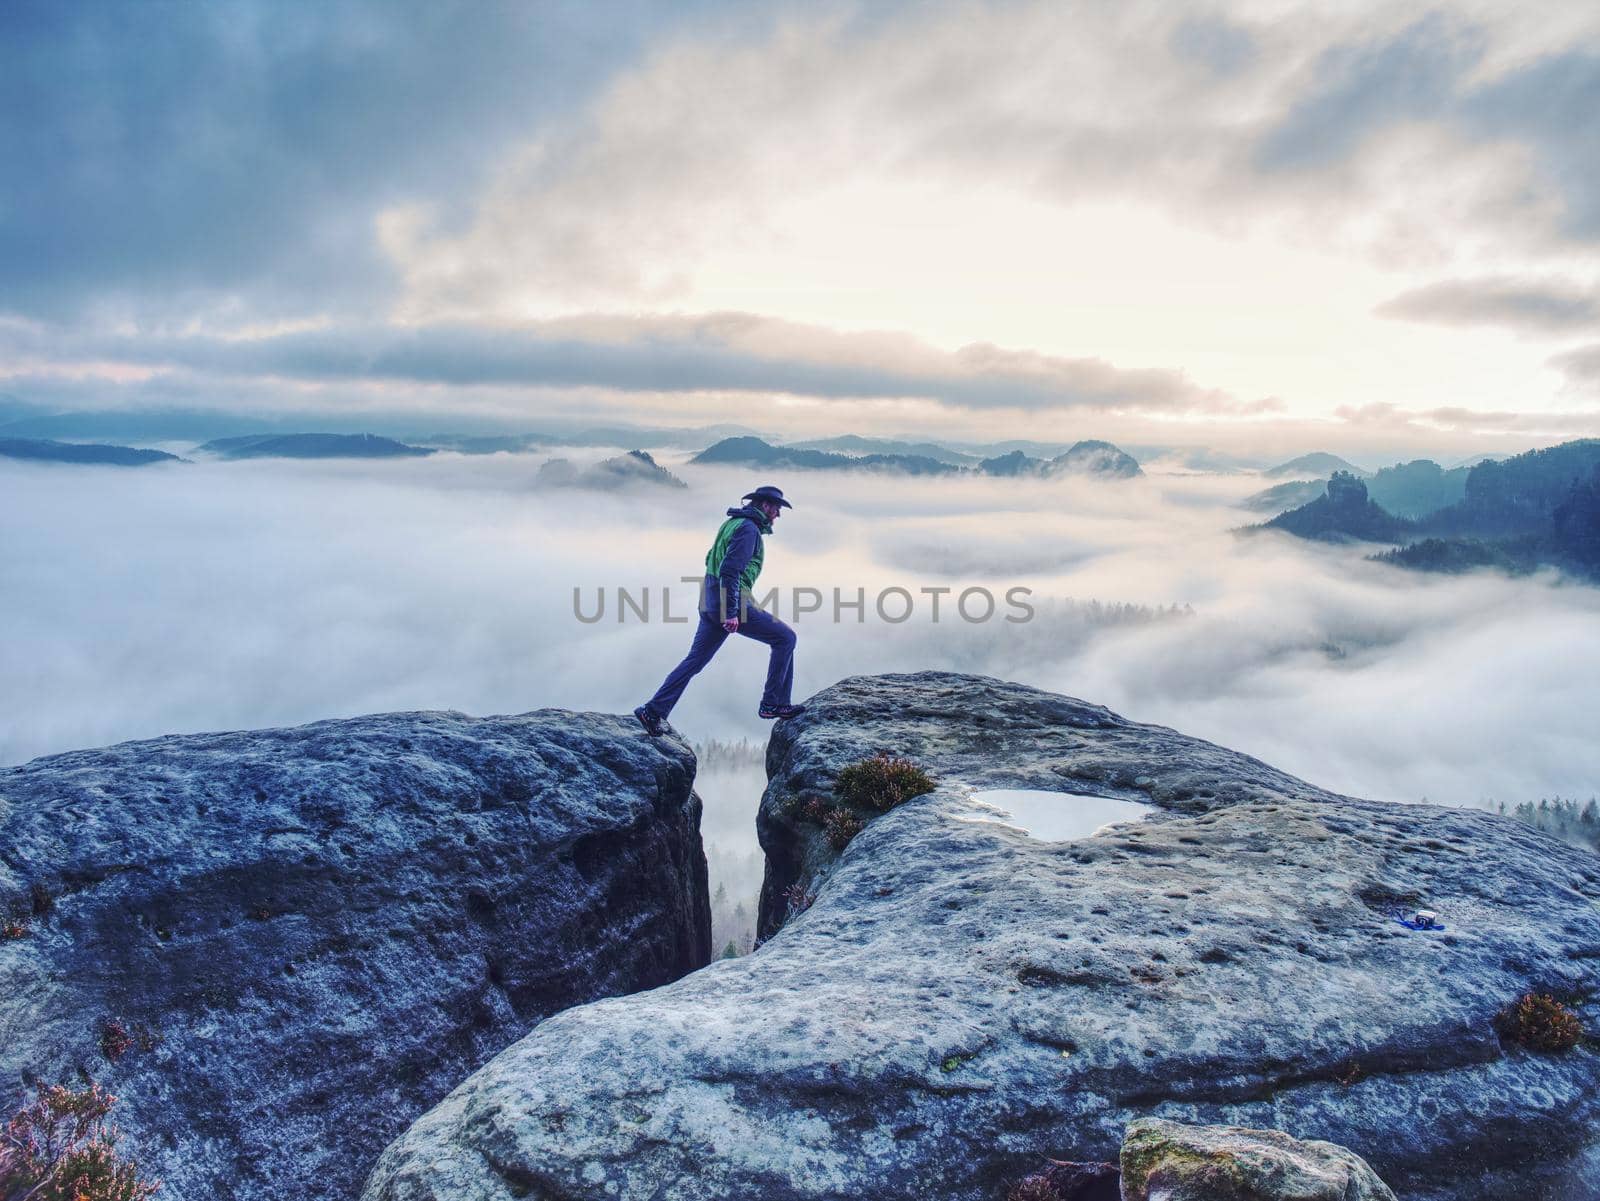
708, 639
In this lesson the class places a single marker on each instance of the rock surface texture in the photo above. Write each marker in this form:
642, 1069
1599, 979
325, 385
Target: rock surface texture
1168, 1161
962, 1000
278, 947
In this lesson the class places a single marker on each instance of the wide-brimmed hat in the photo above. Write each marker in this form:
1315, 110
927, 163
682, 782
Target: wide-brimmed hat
768, 492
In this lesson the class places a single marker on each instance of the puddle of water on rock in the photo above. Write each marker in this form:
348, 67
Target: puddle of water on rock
1054, 816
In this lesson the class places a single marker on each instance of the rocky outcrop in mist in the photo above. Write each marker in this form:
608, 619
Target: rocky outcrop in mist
278, 947
608, 475
960, 999
1344, 513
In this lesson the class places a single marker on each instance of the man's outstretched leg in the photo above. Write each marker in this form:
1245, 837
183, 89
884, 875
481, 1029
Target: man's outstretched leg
708, 637
764, 627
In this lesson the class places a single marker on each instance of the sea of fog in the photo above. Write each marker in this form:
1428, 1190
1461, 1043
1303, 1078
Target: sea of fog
222, 595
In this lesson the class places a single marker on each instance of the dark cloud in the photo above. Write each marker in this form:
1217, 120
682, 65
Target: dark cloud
734, 352
1581, 366
1551, 105
236, 152
1548, 306
1546, 105
1358, 90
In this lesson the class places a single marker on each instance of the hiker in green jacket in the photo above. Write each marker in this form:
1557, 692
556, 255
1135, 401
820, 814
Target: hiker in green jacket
732, 564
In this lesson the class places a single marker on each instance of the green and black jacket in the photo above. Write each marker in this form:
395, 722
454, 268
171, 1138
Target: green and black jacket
734, 562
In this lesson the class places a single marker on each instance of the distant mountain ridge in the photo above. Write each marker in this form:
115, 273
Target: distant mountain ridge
14, 408
1519, 495
1413, 490
23, 419
1280, 498
480, 444
311, 446
1318, 464
43, 450
1418, 488
1534, 509
756, 452
635, 467
855, 444
1082, 458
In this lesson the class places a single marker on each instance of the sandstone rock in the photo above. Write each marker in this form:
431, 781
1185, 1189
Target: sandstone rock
1168, 1161
280, 946
962, 1000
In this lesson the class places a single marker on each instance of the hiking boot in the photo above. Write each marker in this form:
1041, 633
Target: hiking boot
771, 711
655, 725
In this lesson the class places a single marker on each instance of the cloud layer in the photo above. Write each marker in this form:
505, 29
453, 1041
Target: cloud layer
727, 352
225, 595
1533, 306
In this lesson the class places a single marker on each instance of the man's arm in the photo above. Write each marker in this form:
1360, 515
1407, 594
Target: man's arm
740, 547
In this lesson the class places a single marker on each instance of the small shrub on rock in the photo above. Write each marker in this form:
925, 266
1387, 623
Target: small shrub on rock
1033, 1188
59, 1148
115, 1041
841, 826
882, 782
796, 900
1541, 1023
1066, 1181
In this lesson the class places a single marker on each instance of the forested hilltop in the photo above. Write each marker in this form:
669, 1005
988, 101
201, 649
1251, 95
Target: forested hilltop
1567, 819
1536, 509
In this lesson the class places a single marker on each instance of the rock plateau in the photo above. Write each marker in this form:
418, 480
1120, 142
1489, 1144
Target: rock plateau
962, 999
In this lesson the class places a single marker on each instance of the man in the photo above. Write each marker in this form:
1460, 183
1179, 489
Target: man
732, 564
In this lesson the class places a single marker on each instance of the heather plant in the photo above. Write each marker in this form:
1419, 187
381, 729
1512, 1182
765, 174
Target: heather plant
1541, 1023
876, 784
1065, 1181
58, 1147
1033, 1188
882, 782
115, 1041
796, 900
841, 826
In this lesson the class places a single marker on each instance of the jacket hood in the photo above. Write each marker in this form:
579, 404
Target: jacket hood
763, 522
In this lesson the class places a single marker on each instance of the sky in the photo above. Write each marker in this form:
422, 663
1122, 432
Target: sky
1366, 227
